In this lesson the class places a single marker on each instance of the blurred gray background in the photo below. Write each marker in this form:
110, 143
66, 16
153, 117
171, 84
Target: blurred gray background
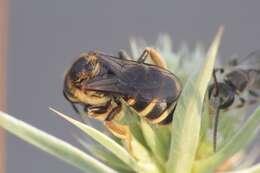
46, 36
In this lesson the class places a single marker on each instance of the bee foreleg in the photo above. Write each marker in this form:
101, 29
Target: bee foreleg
115, 111
120, 131
154, 55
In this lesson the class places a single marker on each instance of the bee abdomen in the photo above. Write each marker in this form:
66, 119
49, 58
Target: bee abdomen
169, 118
155, 112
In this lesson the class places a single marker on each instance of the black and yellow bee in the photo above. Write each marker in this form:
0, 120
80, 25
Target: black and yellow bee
99, 82
242, 75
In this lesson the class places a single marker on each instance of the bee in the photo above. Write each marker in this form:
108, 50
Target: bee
243, 75
101, 82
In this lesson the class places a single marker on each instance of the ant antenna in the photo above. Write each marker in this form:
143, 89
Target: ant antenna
215, 130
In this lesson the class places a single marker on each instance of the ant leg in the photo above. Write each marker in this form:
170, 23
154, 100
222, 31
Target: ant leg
122, 132
154, 55
122, 54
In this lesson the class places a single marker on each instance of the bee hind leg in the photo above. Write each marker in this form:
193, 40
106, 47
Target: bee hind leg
120, 131
154, 55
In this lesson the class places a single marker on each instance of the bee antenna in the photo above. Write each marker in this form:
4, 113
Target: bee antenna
72, 104
215, 83
215, 130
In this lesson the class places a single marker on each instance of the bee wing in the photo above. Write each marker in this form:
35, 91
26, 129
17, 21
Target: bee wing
148, 82
136, 80
115, 64
250, 62
108, 84
254, 76
143, 93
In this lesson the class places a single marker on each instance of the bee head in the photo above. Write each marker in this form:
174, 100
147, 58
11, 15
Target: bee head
84, 68
221, 97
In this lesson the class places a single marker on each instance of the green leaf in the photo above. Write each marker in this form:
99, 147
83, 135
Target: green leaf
250, 157
52, 145
187, 118
132, 119
155, 142
105, 141
228, 122
243, 137
107, 157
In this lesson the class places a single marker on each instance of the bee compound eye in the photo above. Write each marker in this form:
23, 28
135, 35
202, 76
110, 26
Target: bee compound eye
215, 101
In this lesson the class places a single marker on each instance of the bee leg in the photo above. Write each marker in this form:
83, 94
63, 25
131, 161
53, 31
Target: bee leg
154, 55
226, 110
242, 102
253, 101
120, 131
122, 54
115, 111
253, 93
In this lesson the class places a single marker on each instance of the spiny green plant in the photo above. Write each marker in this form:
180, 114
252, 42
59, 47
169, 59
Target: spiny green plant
183, 147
